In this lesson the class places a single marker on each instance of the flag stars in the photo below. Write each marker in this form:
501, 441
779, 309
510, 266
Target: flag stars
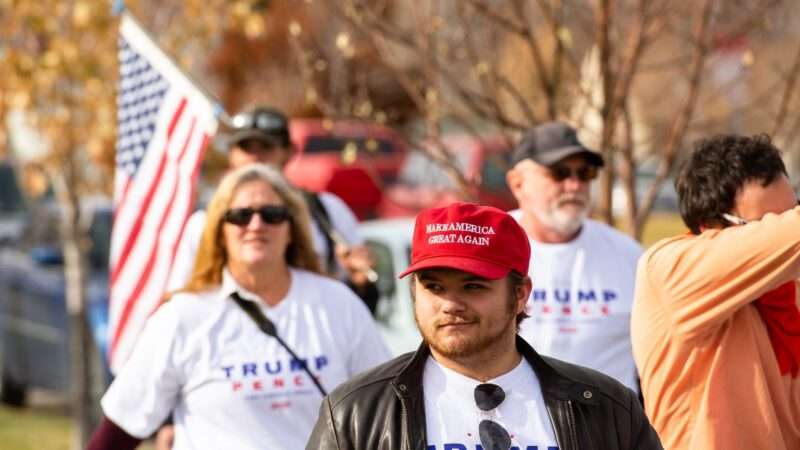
141, 93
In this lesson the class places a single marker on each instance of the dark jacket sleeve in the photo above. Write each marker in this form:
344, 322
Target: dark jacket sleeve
644, 435
109, 436
324, 434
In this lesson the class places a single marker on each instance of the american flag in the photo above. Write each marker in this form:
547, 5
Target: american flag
164, 125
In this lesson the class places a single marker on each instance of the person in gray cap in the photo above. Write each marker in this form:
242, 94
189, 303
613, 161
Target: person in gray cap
584, 271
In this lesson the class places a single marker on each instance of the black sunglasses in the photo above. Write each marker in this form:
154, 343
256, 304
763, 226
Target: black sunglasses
269, 214
260, 119
584, 173
736, 220
492, 435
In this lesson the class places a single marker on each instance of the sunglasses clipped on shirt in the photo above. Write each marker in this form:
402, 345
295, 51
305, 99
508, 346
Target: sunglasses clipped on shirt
271, 214
492, 435
584, 173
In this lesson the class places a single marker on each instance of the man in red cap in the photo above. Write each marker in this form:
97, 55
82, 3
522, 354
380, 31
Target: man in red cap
473, 383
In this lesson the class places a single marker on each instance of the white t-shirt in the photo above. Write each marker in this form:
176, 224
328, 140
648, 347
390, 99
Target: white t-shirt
580, 306
341, 217
229, 384
452, 417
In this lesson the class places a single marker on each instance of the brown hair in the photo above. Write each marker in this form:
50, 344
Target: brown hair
515, 280
212, 256
716, 172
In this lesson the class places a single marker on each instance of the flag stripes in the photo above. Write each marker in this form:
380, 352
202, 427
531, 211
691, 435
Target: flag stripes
165, 124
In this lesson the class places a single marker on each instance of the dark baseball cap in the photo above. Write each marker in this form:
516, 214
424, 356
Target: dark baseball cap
262, 123
551, 142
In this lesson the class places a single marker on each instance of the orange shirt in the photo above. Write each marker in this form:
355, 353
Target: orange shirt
710, 376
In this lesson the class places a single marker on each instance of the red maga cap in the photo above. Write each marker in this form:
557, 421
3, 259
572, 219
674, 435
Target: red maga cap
480, 240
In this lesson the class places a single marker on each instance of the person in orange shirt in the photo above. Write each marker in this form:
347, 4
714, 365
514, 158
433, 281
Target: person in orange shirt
715, 325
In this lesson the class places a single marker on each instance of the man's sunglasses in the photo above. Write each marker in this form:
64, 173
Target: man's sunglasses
269, 122
269, 214
492, 435
584, 173
259, 120
736, 220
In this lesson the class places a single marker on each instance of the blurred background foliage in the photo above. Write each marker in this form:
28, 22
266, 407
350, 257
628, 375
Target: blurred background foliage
640, 78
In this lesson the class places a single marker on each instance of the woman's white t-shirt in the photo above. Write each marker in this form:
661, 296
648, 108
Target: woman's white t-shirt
452, 417
229, 384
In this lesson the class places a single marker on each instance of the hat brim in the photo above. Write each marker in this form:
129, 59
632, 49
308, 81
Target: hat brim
552, 157
242, 135
479, 267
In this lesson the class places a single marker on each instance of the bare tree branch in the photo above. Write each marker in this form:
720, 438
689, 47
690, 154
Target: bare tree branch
680, 124
486, 75
608, 109
628, 176
637, 46
517, 97
545, 83
788, 94
488, 11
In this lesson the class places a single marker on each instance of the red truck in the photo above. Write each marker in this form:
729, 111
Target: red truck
483, 160
372, 169
352, 159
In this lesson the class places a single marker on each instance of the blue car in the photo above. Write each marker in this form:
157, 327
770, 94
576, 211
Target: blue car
34, 325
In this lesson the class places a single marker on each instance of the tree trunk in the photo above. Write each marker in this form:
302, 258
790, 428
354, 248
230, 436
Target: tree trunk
80, 340
608, 111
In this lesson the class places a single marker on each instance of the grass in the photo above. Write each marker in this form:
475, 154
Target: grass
37, 428
34, 429
661, 225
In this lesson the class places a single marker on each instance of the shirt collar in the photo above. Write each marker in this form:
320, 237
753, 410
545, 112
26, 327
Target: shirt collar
229, 286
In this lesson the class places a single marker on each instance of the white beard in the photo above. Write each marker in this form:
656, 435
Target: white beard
562, 220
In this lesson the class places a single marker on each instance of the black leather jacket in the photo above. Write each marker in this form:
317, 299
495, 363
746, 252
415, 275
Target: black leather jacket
384, 409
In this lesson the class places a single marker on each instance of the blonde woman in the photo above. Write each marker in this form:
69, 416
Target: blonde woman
201, 356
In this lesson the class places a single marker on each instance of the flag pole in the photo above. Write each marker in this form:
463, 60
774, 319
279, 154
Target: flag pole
119, 8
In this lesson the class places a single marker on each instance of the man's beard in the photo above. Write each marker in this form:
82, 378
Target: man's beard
562, 220
468, 346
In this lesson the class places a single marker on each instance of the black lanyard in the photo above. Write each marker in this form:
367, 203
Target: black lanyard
266, 325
